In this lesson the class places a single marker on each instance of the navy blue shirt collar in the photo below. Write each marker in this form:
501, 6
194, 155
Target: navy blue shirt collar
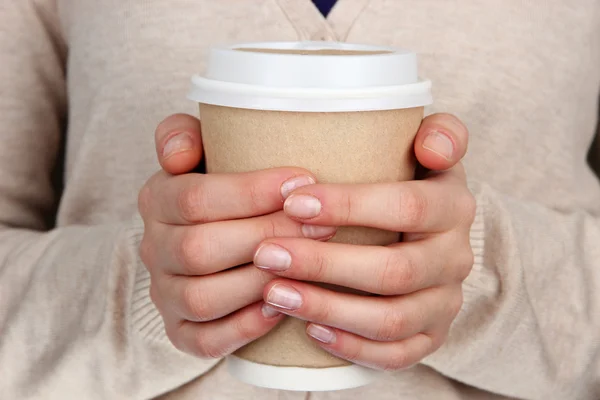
324, 6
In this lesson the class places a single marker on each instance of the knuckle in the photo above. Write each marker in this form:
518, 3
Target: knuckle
190, 201
437, 341
348, 203
186, 253
353, 352
468, 207
394, 322
279, 225
255, 196
247, 330
206, 348
319, 266
465, 265
171, 330
194, 251
197, 303
321, 312
413, 209
396, 274
269, 227
146, 251
455, 305
408, 274
154, 295
404, 277
144, 201
397, 360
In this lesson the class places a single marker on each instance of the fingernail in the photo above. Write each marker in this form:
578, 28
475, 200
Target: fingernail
294, 183
272, 257
321, 333
284, 297
317, 231
440, 144
302, 206
268, 311
177, 144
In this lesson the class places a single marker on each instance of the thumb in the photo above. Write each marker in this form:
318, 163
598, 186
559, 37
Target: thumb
178, 142
441, 142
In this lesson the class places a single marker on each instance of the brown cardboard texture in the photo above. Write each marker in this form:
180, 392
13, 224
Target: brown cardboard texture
340, 147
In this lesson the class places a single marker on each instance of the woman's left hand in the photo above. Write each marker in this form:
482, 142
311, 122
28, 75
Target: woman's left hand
419, 279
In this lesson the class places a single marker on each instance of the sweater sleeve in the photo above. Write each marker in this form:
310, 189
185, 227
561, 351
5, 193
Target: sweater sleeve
530, 323
76, 320
594, 153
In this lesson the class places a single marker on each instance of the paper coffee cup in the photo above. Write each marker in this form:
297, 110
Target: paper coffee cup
348, 113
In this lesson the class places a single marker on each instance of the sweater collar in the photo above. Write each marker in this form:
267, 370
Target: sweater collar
312, 25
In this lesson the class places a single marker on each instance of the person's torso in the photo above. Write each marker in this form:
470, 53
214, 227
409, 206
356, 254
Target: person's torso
523, 75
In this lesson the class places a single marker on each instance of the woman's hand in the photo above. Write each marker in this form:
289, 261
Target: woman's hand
197, 228
419, 280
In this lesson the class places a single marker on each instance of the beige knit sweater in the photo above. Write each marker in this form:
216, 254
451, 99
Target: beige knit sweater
83, 84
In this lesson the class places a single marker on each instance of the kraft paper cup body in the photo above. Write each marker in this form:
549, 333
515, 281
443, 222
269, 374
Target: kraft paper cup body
264, 105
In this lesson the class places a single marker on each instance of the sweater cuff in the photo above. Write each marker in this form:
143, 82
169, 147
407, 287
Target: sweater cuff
480, 289
482, 281
146, 320
159, 359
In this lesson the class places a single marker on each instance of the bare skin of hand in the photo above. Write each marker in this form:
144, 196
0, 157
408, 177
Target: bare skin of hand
197, 227
419, 280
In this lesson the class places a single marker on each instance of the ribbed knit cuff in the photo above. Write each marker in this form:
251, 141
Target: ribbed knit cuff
456, 356
477, 239
483, 279
145, 317
162, 364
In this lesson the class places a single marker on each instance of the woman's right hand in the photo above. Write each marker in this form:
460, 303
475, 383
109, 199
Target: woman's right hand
197, 227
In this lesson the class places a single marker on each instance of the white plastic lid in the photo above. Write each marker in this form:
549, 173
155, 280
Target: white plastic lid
311, 77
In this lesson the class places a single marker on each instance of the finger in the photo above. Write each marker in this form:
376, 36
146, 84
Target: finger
224, 336
416, 206
201, 299
178, 142
398, 269
441, 141
216, 246
377, 355
376, 318
198, 198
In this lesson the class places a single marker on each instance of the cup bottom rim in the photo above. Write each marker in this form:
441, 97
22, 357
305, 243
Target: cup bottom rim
299, 378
